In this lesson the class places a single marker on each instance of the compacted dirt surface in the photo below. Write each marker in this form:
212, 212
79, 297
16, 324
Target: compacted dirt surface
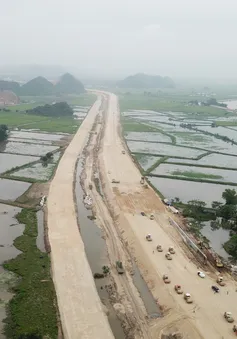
79, 304
204, 318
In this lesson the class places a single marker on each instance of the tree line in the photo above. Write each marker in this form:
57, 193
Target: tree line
3, 132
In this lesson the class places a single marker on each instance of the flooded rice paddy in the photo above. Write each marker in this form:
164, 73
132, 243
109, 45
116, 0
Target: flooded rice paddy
35, 136
163, 149
12, 189
187, 190
211, 160
214, 174
10, 229
146, 161
37, 171
8, 161
23, 148
146, 136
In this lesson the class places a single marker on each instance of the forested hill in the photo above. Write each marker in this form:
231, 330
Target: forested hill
141, 80
37, 87
60, 109
67, 84
40, 86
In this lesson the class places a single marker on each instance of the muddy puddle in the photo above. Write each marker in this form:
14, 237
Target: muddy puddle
10, 229
12, 189
95, 248
9, 161
40, 225
146, 296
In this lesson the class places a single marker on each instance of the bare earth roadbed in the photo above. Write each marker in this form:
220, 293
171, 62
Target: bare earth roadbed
79, 305
202, 319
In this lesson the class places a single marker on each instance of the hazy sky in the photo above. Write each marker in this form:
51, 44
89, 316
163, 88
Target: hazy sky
117, 38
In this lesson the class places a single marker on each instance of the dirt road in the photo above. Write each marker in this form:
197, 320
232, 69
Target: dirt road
202, 319
79, 304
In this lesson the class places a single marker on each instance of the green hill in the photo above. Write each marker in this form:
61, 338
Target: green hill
10, 86
68, 85
37, 87
141, 80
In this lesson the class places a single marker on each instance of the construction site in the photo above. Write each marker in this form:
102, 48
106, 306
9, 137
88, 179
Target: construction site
121, 264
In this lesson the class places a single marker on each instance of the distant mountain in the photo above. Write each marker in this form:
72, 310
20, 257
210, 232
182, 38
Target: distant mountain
9, 86
37, 87
67, 84
141, 80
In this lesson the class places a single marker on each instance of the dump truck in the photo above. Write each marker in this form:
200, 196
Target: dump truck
220, 281
166, 279
148, 237
219, 263
119, 267
171, 250
168, 256
114, 181
188, 298
159, 248
228, 317
178, 289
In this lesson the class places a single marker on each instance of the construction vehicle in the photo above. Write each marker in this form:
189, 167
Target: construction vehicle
220, 281
215, 289
159, 248
148, 237
168, 256
188, 298
114, 181
119, 267
142, 181
235, 329
152, 217
178, 289
166, 279
219, 263
171, 250
123, 152
228, 317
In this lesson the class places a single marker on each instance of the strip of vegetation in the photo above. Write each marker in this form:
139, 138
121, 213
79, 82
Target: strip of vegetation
31, 312
18, 178
3, 132
156, 164
175, 177
191, 174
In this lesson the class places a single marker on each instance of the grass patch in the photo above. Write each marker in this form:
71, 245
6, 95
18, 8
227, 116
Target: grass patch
26, 121
133, 126
226, 123
191, 174
166, 103
31, 312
